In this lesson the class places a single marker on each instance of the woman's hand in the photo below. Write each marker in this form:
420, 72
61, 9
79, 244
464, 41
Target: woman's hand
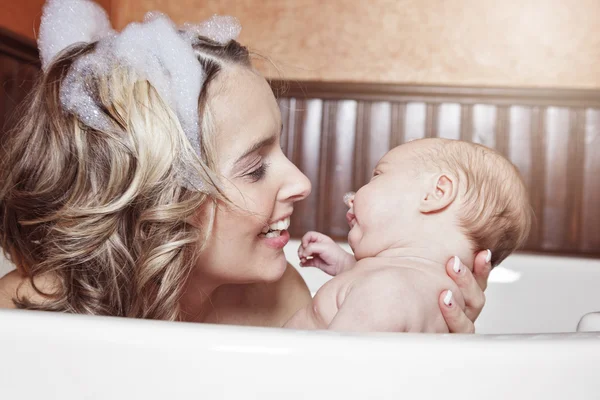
471, 285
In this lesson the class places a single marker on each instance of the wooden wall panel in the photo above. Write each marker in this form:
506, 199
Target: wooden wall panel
338, 171
554, 214
552, 136
520, 151
377, 140
449, 121
414, 121
590, 232
574, 188
19, 67
305, 122
484, 125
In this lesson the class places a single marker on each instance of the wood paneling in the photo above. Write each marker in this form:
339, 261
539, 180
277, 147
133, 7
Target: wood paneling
590, 232
552, 136
19, 66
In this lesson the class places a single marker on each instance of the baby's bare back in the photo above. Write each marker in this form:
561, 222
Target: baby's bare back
383, 295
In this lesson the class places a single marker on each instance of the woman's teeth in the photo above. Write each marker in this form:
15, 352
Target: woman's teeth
274, 230
273, 234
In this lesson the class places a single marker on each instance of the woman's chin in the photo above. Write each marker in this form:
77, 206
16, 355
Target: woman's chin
275, 269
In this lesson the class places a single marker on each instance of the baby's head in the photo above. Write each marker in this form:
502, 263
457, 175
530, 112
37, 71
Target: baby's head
454, 195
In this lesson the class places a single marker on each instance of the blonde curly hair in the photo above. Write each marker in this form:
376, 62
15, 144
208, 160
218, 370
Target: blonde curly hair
104, 212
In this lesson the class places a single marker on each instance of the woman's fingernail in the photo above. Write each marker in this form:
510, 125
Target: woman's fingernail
448, 298
456, 266
488, 258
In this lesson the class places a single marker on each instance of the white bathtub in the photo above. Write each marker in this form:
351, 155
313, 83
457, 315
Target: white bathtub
46, 355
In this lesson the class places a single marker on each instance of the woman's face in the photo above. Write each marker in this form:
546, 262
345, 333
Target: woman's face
248, 237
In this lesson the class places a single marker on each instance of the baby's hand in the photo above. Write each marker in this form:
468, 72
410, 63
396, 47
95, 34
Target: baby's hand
320, 251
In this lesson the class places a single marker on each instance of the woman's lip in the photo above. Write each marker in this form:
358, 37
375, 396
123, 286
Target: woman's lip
278, 242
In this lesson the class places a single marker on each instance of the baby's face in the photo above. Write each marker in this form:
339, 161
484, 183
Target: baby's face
386, 210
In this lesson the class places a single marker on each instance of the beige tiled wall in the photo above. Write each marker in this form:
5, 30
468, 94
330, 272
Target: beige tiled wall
548, 43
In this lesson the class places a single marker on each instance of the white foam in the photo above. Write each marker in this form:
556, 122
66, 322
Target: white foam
75, 92
221, 29
66, 22
154, 49
159, 54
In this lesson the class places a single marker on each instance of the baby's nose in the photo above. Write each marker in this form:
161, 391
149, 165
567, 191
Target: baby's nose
349, 199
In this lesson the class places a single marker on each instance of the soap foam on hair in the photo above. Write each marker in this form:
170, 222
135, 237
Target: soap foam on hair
154, 49
66, 22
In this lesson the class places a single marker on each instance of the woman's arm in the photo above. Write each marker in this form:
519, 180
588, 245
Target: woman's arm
471, 285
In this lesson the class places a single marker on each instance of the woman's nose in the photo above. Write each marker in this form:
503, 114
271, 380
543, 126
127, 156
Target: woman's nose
297, 185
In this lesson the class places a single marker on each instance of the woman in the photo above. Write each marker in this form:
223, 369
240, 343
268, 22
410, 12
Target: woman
98, 219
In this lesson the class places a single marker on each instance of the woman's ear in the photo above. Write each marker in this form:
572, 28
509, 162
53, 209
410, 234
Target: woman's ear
440, 192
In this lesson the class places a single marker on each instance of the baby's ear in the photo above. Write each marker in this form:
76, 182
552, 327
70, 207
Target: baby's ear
440, 192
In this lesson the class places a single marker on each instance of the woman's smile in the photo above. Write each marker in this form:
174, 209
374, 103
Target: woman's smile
276, 235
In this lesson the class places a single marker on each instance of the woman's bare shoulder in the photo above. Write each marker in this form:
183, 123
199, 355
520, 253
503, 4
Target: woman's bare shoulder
9, 285
14, 284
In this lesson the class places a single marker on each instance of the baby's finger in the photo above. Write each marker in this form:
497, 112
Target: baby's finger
315, 248
469, 288
308, 262
319, 263
309, 237
482, 267
316, 262
300, 251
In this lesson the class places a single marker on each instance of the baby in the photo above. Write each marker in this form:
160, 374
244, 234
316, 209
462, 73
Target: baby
427, 200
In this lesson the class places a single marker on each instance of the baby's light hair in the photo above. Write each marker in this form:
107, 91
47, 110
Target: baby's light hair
495, 211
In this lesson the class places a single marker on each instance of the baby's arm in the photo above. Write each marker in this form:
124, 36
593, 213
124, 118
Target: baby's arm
320, 251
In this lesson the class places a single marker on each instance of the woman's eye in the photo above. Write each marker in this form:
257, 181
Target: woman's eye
258, 173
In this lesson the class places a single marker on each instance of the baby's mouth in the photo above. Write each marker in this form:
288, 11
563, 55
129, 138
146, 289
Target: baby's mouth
274, 230
351, 218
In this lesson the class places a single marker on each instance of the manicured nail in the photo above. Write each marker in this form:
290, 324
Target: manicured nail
448, 298
456, 267
488, 258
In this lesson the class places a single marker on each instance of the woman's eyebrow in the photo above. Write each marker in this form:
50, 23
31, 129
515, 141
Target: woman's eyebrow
265, 142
